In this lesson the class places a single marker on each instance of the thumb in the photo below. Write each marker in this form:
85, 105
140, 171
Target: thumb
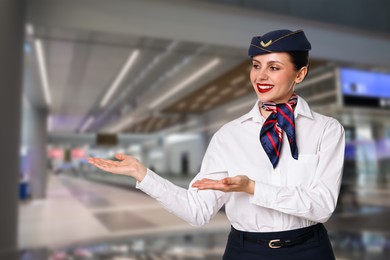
228, 181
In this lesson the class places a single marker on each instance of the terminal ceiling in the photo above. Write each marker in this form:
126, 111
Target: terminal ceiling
86, 43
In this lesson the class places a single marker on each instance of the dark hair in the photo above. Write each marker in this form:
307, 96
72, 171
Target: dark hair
299, 58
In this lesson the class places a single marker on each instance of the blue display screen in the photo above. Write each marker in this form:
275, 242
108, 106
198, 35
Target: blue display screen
364, 83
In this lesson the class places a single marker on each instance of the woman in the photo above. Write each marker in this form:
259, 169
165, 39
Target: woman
277, 169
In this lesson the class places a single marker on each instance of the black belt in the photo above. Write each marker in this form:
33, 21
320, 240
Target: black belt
277, 243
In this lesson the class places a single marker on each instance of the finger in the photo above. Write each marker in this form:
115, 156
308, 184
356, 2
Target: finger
229, 181
101, 166
120, 156
202, 180
98, 161
195, 185
236, 180
91, 159
198, 183
105, 163
206, 182
212, 186
109, 166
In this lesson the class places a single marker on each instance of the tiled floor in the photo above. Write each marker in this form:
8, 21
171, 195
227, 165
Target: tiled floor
81, 216
79, 211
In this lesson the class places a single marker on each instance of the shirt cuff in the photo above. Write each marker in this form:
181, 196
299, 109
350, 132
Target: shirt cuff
153, 185
148, 179
265, 195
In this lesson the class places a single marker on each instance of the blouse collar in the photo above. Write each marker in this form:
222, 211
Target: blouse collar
302, 108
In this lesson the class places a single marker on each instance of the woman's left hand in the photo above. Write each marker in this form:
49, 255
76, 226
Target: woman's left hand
240, 183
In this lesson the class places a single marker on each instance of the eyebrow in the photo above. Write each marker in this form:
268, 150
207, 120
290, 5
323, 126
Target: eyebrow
269, 62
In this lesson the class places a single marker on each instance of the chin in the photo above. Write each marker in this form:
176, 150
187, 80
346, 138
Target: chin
268, 97
264, 97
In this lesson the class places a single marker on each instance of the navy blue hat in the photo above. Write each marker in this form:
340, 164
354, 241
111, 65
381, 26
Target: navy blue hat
279, 41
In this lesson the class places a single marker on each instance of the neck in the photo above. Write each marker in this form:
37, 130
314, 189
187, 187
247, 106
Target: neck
267, 108
264, 113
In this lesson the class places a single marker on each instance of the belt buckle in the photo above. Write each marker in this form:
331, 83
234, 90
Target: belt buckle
271, 243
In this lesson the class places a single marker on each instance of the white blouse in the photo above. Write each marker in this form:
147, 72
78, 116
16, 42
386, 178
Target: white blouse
296, 194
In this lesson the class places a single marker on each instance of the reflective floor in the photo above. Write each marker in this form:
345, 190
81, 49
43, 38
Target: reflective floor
84, 219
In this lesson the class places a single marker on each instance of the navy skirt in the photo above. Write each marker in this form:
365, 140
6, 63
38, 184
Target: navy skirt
298, 244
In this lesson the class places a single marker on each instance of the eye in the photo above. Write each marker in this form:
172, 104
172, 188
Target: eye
274, 68
255, 66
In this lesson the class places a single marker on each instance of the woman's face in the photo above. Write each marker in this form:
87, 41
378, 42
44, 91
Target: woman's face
273, 77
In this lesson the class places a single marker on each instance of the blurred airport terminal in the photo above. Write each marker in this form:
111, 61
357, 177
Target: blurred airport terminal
156, 79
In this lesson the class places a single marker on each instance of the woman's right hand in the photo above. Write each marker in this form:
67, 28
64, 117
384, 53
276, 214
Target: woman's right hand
126, 165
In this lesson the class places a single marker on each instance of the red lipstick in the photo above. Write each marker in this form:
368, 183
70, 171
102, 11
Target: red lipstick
263, 88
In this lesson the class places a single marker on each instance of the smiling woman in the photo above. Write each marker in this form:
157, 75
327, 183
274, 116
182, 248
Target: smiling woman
277, 169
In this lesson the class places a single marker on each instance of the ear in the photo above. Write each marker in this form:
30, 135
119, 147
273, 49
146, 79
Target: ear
301, 75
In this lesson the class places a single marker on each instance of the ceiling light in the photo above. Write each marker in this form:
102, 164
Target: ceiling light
26, 102
149, 124
240, 106
43, 71
49, 123
312, 81
138, 128
238, 80
118, 80
121, 125
208, 127
240, 92
209, 90
215, 99
160, 123
225, 91
87, 124
29, 29
207, 106
201, 98
184, 83
194, 106
181, 105
179, 127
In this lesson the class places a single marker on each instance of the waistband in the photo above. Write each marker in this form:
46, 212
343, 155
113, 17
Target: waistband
281, 238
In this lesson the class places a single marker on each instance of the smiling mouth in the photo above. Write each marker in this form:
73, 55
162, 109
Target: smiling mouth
263, 88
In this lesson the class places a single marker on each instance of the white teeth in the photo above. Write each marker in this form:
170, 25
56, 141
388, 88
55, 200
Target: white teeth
264, 87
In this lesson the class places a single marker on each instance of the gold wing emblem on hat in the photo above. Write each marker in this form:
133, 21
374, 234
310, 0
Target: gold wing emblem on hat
266, 44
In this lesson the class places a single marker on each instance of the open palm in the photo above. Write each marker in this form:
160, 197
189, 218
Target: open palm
239, 183
125, 165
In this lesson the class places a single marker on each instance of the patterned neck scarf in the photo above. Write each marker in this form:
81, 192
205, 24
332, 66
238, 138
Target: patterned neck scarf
271, 134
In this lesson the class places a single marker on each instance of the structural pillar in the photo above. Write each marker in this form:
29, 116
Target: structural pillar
11, 56
35, 140
380, 138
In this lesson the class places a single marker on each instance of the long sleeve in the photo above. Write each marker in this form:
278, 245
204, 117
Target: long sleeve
314, 200
197, 208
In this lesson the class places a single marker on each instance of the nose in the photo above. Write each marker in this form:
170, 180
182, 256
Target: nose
262, 75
